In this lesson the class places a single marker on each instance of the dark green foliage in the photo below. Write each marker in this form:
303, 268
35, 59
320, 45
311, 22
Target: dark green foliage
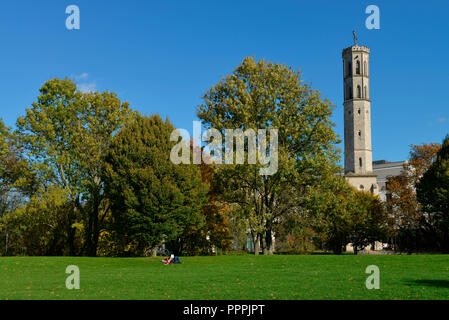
433, 195
151, 198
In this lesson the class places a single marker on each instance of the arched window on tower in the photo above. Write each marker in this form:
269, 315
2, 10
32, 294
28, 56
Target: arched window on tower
349, 68
350, 92
360, 162
359, 92
357, 68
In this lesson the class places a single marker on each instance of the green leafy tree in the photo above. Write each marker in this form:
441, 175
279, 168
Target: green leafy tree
329, 212
341, 215
152, 199
46, 133
263, 95
4, 183
433, 195
17, 181
368, 220
38, 227
65, 134
3, 140
102, 115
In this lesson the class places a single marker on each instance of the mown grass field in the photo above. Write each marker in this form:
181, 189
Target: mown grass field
227, 277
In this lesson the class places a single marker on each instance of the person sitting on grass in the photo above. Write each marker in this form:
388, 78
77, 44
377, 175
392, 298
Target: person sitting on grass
165, 260
168, 260
171, 260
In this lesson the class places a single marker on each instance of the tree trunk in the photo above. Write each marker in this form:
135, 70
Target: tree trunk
95, 235
93, 230
445, 241
71, 238
268, 249
88, 244
257, 245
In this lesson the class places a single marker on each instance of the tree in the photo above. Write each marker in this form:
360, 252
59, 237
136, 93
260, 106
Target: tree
65, 134
214, 233
4, 183
411, 229
17, 181
433, 194
38, 226
369, 222
3, 139
45, 133
263, 95
152, 199
329, 212
102, 115
340, 214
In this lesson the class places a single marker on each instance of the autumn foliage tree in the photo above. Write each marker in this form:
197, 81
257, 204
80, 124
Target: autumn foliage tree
410, 228
214, 234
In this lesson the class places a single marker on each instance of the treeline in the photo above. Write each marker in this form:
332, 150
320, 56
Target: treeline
84, 174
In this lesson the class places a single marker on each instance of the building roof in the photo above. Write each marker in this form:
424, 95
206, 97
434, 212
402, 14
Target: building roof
384, 169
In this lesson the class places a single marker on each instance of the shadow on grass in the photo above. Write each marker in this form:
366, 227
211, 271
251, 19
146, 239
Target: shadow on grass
429, 283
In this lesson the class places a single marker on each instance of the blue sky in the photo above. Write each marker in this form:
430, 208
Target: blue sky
161, 56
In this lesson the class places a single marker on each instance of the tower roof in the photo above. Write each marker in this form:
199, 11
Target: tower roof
355, 48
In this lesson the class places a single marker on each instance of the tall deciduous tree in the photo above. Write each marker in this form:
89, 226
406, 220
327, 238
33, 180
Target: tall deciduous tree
433, 194
152, 199
101, 116
263, 95
65, 133
411, 229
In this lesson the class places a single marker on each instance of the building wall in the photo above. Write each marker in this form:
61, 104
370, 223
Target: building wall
365, 183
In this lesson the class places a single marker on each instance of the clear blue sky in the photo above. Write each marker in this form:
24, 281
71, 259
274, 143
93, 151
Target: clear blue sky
161, 56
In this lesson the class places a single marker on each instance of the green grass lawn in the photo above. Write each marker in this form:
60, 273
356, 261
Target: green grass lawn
227, 277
